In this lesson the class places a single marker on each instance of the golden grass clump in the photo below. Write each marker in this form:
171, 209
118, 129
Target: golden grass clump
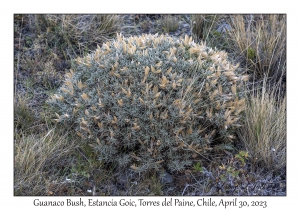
264, 130
35, 157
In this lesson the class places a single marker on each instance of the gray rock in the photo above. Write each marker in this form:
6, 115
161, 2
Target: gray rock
223, 28
122, 179
125, 176
166, 178
186, 25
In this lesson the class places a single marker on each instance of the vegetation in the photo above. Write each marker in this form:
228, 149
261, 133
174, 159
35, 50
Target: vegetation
204, 28
54, 55
264, 130
261, 41
150, 101
258, 42
169, 23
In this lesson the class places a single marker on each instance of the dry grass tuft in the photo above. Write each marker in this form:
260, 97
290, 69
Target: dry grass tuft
35, 158
264, 131
24, 117
169, 23
261, 41
203, 25
76, 32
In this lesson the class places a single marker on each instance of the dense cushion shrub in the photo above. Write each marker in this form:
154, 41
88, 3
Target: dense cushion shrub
152, 101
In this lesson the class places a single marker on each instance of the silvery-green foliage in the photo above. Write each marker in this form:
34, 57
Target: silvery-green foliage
152, 100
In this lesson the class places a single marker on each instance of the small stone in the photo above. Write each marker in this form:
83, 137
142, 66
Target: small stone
166, 178
186, 25
122, 179
223, 28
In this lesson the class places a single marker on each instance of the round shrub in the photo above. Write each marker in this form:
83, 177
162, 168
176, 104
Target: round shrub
152, 101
